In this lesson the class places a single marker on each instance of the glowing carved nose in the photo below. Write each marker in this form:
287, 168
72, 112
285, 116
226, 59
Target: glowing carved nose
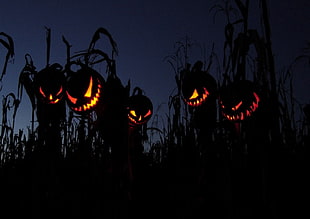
194, 95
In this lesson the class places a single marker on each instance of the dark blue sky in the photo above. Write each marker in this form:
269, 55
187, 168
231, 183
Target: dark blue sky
145, 32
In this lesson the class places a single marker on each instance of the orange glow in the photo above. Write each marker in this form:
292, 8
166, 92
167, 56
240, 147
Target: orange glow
41, 91
55, 101
194, 95
50, 97
237, 106
243, 115
72, 99
255, 104
195, 101
132, 112
148, 113
221, 104
133, 117
90, 86
87, 106
59, 92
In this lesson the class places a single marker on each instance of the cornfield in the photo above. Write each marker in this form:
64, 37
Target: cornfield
198, 162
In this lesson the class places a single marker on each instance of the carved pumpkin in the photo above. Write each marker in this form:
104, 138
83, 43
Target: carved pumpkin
84, 89
49, 84
238, 100
197, 85
140, 109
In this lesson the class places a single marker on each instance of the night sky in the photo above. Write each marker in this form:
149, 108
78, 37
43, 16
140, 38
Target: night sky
145, 32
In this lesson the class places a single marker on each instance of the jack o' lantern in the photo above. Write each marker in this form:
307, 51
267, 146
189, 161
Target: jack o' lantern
238, 100
49, 84
84, 89
197, 85
140, 109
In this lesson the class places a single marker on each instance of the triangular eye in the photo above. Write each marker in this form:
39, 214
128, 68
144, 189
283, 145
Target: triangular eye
60, 90
237, 106
148, 114
89, 89
194, 95
72, 99
42, 92
132, 112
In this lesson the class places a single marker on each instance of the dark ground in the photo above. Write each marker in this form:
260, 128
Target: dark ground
218, 187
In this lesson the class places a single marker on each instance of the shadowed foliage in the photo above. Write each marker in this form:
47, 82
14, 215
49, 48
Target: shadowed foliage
233, 144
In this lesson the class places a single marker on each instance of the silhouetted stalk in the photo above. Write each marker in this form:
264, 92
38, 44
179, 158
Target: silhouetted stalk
10, 52
271, 69
48, 45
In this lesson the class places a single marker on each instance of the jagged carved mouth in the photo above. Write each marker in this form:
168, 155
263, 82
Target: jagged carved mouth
90, 103
138, 120
243, 114
50, 98
196, 99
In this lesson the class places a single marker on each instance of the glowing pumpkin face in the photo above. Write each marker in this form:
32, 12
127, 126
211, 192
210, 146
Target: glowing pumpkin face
238, 100
49, 84
140, 109
197, 86
84, 90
